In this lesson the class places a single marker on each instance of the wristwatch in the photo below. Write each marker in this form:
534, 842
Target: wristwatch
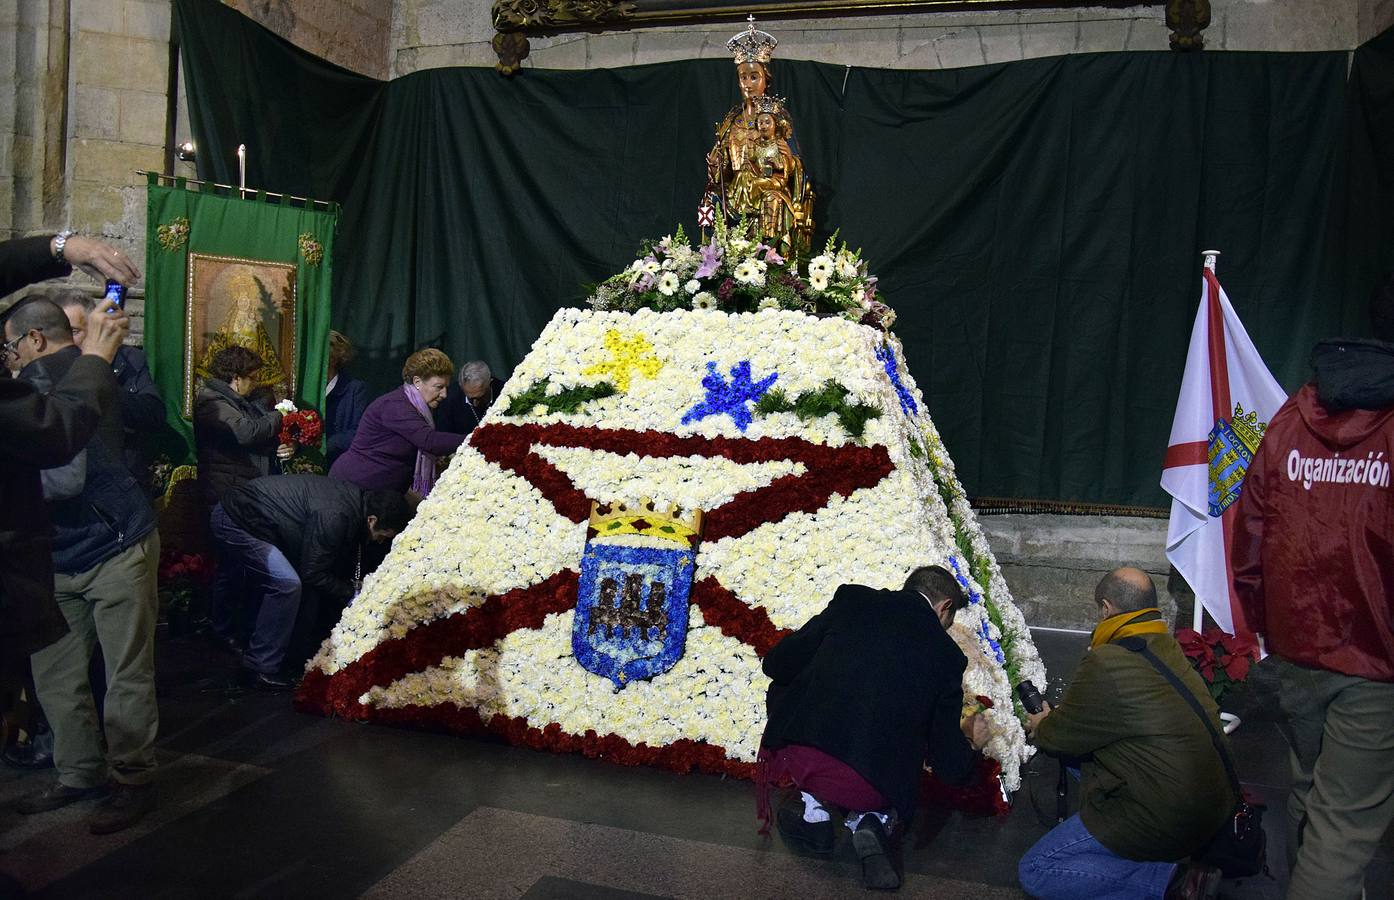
60, 241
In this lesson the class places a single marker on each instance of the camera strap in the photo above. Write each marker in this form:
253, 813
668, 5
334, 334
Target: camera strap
1139, 646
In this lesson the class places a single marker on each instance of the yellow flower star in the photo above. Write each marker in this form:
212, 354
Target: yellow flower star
627, 356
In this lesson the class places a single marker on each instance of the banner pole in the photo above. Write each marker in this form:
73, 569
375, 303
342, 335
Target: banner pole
1198, 614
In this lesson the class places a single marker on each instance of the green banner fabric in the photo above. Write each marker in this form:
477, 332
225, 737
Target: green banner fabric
1036, 225
220, 267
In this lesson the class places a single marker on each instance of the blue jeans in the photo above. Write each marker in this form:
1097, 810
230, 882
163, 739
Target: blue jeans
1070, 864
259, 564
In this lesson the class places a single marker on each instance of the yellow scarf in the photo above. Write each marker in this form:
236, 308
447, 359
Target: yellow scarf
1140, 621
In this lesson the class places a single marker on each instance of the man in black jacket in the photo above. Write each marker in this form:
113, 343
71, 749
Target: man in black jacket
44, 431
290, 532
863, 695
142, 407
105, 552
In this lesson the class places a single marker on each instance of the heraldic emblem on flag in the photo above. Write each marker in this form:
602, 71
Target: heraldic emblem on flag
1232, 445
653, 501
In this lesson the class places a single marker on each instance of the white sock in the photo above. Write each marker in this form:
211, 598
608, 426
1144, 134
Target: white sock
813, 811
855, 818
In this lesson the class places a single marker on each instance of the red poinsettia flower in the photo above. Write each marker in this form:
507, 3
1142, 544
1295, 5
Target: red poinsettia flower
1237, 667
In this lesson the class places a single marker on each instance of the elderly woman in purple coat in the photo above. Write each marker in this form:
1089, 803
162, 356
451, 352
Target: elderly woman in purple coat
396, 445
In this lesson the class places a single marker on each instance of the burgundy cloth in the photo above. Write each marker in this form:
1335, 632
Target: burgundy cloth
1313, 547
382, 456
831, 781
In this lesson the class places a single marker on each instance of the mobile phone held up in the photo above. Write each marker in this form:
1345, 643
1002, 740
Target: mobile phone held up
115, 290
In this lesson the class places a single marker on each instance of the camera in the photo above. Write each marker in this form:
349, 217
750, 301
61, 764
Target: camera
1030, 697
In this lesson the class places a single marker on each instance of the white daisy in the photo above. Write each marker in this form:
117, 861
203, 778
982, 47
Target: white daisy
820, 265
818, 281
704, 300
668, 284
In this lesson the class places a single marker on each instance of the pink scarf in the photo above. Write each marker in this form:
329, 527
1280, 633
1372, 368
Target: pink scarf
424, 476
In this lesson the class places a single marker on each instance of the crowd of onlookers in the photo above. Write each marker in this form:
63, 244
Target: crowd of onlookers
861, 696
79, 543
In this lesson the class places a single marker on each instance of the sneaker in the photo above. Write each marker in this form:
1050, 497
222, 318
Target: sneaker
1194, 881
873, 849
57, 796
810, 837
126, 806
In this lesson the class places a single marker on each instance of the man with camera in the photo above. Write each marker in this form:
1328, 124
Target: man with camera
105, 550
1154, 788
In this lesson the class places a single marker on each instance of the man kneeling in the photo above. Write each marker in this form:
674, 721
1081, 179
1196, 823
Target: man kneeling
862, 696
285, 531
1153, 788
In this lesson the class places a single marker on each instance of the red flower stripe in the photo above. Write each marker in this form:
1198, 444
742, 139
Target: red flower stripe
725, 611
426, 645
830, 470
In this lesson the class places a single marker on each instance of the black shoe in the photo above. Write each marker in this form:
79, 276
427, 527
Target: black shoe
57, 796
127, 805
873, 849
810, 837
28, 755
261, 681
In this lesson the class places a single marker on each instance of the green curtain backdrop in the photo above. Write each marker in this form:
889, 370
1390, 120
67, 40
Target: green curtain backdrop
1037, 225
223, 224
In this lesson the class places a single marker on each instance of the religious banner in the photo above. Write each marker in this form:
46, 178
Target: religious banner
224, 270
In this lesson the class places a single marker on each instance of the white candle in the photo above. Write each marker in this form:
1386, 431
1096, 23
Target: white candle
242, 168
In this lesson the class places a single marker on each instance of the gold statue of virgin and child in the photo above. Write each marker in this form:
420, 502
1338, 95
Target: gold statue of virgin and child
754, 173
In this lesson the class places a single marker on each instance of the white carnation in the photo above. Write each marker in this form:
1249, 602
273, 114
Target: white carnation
692, 286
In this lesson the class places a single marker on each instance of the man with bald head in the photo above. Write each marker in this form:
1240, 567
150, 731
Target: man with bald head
1153, 787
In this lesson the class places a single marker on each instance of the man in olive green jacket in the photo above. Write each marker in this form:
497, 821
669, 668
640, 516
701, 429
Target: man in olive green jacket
1153, 787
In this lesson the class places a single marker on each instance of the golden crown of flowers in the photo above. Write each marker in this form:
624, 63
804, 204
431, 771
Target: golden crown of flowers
752, 45
647, 519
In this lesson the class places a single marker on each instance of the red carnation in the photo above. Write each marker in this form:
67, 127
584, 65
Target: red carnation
303, 427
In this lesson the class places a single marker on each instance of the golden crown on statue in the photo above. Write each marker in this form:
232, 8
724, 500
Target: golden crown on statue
752, 45
647, 519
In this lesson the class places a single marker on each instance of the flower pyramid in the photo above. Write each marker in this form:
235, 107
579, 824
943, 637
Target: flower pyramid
670, 482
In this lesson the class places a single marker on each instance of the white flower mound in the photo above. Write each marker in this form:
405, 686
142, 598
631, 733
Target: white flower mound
486, 530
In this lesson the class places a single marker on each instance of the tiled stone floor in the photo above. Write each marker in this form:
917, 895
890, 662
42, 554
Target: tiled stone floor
258, 801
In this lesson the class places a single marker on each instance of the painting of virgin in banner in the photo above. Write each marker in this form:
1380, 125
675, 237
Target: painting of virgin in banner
243, 302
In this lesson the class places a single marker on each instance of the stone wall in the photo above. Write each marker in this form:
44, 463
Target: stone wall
432, 33
350, 33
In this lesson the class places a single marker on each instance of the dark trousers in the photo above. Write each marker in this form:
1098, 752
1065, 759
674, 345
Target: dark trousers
265, 574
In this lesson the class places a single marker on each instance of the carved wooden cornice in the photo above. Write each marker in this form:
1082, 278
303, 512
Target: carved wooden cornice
515, 20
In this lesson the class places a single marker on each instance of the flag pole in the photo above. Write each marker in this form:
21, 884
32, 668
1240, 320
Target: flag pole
1198, 614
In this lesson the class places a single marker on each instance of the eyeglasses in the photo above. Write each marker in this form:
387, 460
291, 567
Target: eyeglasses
12, 347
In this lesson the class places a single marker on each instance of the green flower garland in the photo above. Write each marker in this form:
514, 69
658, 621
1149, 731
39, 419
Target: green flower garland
570, 400
830, 400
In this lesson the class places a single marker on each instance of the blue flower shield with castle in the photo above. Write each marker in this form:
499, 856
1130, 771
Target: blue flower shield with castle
636, 578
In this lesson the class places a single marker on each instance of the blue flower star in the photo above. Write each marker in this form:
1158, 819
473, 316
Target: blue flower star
730, 399
907, 399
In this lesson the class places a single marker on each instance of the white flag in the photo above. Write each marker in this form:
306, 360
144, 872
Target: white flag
1227, 399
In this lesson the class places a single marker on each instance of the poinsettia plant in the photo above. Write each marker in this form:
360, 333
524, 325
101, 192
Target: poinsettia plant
181, 577
1222, 659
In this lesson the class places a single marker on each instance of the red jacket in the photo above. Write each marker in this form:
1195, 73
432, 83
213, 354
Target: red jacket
1312, 549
